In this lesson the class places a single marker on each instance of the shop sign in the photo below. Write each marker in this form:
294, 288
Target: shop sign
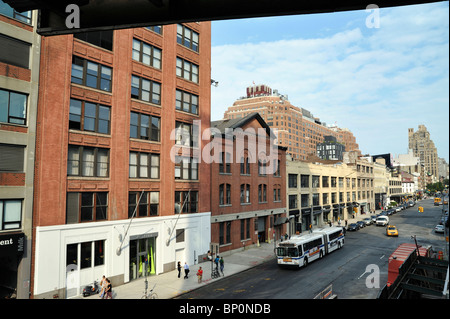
12, 243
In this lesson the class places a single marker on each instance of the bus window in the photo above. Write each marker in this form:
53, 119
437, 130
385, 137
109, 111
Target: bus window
292, 252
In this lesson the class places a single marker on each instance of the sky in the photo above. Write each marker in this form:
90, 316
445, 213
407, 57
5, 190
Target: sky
375, 72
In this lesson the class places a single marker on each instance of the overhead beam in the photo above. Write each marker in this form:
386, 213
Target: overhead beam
119, 14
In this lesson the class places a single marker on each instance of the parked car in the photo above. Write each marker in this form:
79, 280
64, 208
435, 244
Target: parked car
374, 218
367, 221
398, 209
390, 211
361, 224
391, 230
439, 229
352, 227
411, 203
382, 221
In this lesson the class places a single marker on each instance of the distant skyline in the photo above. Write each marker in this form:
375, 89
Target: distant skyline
377, 82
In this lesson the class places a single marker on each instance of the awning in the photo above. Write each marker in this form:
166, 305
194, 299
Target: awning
280, 221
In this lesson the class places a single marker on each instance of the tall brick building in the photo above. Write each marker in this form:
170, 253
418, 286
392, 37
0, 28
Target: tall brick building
297, 128
19, 82
115, 110
248, 184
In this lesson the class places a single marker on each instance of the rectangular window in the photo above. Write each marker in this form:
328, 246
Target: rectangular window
186, 202
86, 207
292, 179
187, 37
145, 127
14, 52
147, 54
224, 194
10, 214
103, 39
144, 165
13, 107
186, 168
186, 134
148, 204
145, 90
12, 158
262, 193
91, 74
87, 161
86, 116
186, 102
187, 70
155, 28
245, 193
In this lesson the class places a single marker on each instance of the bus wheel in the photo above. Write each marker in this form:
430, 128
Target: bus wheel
305, 262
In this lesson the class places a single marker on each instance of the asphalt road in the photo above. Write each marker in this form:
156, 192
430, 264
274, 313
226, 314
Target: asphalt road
357, 271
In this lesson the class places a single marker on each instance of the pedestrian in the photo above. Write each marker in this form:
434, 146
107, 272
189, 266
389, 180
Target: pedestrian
221, 262
186, 270
216, 261
179, 269
108, 289
199, 275
104, 285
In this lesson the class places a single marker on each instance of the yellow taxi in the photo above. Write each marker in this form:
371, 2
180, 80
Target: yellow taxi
391, 230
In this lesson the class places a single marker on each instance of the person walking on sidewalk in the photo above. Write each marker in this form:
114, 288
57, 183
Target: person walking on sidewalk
186, 270
199, 275
179, 269
221, 262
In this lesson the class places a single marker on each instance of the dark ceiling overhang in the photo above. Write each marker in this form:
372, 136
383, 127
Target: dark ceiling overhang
120, 14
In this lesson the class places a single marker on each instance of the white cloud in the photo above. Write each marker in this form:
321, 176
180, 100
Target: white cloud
368, 80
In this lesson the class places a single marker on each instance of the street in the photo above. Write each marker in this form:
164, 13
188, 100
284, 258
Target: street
364, 256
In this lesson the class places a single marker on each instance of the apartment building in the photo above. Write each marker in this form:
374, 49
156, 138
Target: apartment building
116, 110
322, 191
423, 147
248, 194
19, 82
297, 128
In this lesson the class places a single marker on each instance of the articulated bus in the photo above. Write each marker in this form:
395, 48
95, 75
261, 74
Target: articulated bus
300, 250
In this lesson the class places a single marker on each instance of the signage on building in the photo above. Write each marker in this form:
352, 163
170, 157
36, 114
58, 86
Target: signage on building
12, 243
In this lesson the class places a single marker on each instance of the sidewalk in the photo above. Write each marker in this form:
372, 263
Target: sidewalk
168, 285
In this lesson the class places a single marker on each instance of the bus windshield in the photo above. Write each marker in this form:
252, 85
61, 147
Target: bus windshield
287, 252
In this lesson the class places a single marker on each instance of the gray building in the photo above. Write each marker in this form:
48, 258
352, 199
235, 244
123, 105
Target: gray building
330, 149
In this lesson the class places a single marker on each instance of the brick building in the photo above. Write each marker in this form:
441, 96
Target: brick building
297, 128
248, 193
115, 107
19, 82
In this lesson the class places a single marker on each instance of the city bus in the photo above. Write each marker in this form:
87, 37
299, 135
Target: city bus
300, 250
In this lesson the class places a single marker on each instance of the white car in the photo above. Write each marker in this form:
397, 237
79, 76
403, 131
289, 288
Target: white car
439, 229
382, 221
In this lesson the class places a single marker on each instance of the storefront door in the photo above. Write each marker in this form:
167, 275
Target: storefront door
142, 257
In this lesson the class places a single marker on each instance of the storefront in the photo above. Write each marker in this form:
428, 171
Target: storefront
11, 252
142, 255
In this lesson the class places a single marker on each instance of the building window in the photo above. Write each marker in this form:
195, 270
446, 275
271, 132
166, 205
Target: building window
315, 199
277, 193
262, 167
304, 200
262, 193
86, 116
277, 168
186, 102
14, 52
10, 12
147, 54
103, 39
245, 165
144, 165
187, 70
224, 233
145, 127
155, 28
187, 37
186, 202
91, 74
13, 107
224, 194
186, 168
304, 181
315, 181
143, 204
245, 193
86, 207
292, 180
325, 182
10, 214
87, 161
292, 201
145, 90
186, 134
225, 163
12, 158
86, 249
